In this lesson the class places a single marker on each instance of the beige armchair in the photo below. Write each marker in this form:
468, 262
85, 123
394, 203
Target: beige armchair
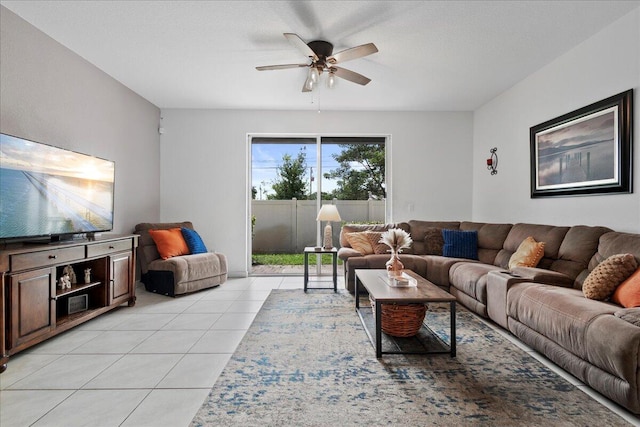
179, 274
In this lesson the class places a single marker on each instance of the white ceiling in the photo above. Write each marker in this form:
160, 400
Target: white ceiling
433, 55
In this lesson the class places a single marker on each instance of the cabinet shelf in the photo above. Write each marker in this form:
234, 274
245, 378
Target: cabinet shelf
75, 288
62, 320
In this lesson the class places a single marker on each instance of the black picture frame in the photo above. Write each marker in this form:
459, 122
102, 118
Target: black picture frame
587, 151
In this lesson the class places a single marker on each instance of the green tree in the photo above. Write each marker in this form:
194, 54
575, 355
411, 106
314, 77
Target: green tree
362, 182
291, 181
325, 196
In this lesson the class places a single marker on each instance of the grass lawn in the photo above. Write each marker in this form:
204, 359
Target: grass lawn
289, 259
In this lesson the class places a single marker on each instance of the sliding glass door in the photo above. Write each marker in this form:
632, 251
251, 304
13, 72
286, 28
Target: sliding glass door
292, 176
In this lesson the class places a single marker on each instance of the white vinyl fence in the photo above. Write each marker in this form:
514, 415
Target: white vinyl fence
287, 226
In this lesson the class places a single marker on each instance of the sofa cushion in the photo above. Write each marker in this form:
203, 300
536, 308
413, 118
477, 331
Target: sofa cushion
615, 243
438, 269
529, 254
605, 278
577, 248
194, 241
552, 237
346, 253
169, 242
628, 293
460, 244
581, 335
191, 268
491, 238
471, 278
560, 314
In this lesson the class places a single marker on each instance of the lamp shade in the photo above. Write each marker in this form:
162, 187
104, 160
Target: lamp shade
328, 213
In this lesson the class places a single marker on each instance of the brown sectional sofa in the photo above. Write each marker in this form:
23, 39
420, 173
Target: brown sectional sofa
542, 306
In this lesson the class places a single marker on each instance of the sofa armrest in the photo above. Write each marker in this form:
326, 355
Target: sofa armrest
631, 315
345, 253
498, 284
546, 277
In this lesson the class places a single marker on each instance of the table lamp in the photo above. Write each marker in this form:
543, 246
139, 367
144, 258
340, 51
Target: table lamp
328, 213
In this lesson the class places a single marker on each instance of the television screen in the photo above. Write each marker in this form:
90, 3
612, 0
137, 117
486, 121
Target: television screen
50, 191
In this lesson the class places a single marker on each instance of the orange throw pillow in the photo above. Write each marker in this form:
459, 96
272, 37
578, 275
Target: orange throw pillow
628, 293
169, 242
529, 254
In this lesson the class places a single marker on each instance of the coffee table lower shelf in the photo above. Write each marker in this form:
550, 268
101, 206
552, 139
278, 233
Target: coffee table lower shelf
424, 342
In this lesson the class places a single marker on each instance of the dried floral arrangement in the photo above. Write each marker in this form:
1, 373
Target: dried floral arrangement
397, 239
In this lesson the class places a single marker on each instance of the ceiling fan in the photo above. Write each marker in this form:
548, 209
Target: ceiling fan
323, 59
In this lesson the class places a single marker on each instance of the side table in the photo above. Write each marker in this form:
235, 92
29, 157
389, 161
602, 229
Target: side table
314, 250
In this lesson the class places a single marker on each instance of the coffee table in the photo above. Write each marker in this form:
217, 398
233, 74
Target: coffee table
425, 292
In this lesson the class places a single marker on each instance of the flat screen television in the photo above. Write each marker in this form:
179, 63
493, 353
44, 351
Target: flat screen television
52, 193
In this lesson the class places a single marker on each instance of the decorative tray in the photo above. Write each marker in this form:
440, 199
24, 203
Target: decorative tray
403, 281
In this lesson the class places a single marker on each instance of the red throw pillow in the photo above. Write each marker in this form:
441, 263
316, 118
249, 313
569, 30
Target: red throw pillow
628, 293
169, 242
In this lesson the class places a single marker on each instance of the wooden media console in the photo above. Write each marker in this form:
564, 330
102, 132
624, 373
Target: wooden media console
34, 308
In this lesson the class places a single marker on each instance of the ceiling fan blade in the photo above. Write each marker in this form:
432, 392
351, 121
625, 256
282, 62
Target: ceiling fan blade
352, 76
295, 40
353, 53
280, 67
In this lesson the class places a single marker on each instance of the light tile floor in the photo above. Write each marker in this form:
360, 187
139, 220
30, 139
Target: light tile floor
152, 364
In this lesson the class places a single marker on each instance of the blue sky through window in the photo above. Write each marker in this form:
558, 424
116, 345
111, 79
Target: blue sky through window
265, 159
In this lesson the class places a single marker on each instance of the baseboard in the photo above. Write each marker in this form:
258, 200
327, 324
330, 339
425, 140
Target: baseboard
238, 274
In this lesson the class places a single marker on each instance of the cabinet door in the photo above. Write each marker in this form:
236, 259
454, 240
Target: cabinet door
32, 309
121, 278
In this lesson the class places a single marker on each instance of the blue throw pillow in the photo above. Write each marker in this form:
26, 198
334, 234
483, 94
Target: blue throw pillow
194, 241
460, 244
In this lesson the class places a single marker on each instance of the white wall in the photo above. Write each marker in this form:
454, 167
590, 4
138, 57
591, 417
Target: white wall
50, 94
204, 165
604, 65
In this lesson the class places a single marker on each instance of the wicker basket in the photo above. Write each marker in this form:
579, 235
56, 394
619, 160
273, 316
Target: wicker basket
400, 320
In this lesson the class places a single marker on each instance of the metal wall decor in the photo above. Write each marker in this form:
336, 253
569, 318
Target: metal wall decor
492, 162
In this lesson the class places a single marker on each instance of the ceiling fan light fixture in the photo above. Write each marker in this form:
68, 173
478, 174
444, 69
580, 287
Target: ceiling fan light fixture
331, 80
309, 84
323, 59
314, 74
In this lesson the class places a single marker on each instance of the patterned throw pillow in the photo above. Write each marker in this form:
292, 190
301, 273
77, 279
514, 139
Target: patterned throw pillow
360, 242
605, 278
460, 244
529, 254
374, 239
433, 241
628, 293
194, 241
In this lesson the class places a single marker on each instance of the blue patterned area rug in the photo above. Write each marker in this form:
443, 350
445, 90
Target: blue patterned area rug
307, 361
